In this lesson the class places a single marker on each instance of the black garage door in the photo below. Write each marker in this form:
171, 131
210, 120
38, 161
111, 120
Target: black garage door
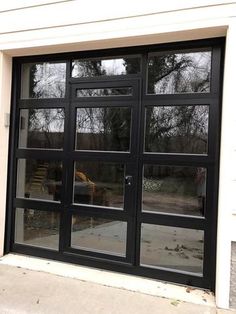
114, 159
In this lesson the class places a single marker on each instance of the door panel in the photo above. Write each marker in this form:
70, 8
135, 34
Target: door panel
102, 161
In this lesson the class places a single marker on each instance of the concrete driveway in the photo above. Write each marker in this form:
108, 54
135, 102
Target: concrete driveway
28, 291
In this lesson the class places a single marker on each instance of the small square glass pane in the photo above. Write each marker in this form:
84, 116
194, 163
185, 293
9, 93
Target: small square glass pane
179, 72
43, 80
177, 129
173, 248
99, 235
41, 128
99, 184
106, 67
39, 179
37, 228
104, 129
174, 190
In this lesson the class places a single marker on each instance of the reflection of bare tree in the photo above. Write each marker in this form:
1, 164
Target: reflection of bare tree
46, 127
103, 128
180, 129
179, 73
47, 80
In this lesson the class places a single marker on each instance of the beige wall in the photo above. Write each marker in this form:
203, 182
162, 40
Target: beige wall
48, 26
5, 93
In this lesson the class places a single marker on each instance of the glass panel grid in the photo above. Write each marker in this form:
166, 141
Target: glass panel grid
41, 128
99, 184
37, 228
177, 129
173, 248
43, 80
106, 66
104, 92
39, 179
179, 72
103, 129
99, 235
174, 190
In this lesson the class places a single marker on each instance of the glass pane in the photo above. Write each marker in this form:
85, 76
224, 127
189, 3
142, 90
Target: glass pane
173, 248
106, 67
177, 129
104, 92
170, 73
43, 80
39, 179
41, 128
106, 129
99, 234
37, 228
99, 183
174, 190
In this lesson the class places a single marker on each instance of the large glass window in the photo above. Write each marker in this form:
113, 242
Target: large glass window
105, 129
180, 72
39, 179
99, 183
43, 80
177, 129
174, 190
99, 235
106, 67
172, 248
41, 128
37, 228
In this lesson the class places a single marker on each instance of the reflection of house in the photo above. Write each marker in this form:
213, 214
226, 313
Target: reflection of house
172, 98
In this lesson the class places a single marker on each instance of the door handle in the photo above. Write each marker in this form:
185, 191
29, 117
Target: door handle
128, 180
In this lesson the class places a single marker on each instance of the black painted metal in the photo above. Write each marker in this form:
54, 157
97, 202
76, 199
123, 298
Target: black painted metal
133, 161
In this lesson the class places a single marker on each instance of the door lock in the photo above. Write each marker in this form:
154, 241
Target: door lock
128, 180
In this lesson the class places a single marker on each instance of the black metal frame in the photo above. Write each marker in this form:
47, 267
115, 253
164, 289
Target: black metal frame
133, 160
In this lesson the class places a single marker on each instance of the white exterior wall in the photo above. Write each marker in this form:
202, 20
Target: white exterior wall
48, 26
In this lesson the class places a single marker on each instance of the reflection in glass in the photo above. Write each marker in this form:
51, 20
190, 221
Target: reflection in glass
177, 129
174, 190
99, 235
99, 183
187, 72
172, 247
37, 228
39, 179
41, 128
103, 129
104, 92
106, 67
43, 80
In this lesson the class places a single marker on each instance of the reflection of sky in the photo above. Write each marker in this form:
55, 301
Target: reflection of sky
109, 66
113, 66
49, 120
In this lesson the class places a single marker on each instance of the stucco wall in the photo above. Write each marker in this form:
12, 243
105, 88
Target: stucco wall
49, 26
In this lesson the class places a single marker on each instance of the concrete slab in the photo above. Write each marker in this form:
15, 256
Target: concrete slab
112, 279
26, 291
221, 311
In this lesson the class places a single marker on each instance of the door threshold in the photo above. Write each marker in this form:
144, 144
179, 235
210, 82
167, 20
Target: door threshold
112, 279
